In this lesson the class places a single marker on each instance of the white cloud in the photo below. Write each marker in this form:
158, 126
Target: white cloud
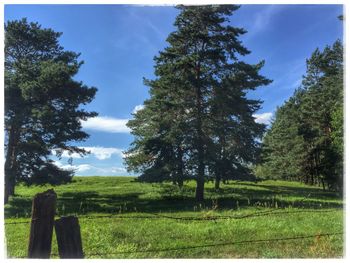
78, 168
117, 169
83, 167
137, 108
66, 154
58, 163
264, 118
106, 124
101, 153
93, 170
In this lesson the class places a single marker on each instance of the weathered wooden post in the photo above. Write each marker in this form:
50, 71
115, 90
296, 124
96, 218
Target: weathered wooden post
68, 237
43, 214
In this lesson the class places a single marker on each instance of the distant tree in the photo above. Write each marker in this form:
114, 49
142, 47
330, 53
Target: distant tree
305, 140
337, 126
42, 105
337, 135
198, 121
283, 147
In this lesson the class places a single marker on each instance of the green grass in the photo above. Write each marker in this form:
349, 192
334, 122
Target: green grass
296, 210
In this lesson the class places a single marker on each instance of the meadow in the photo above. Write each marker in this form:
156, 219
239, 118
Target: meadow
122, 218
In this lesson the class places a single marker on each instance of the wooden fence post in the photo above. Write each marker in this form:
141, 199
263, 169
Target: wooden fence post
68, 237
41, 228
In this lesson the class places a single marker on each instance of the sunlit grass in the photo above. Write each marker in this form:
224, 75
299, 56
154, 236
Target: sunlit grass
296, 210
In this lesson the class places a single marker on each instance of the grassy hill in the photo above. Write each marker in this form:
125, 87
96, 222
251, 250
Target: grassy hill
121, 218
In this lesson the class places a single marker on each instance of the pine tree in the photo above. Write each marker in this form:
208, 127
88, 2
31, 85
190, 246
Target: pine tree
42, 105
177, 133
283, 146
305, 139
235, 133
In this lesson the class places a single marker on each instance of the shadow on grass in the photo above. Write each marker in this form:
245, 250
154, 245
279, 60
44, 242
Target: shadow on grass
299, 191
174, 200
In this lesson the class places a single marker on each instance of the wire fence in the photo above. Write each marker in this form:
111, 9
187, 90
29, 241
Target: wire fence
158, 216
203, 217
180, 248
216, 244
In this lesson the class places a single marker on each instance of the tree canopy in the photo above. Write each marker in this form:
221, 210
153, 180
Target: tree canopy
198, 122
305, 141
42, 104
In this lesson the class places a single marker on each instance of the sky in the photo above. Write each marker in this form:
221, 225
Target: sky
118, 44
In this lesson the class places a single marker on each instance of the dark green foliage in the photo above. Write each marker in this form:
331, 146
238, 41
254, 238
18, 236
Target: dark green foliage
305, 141
198, 122
337, 124
42, 104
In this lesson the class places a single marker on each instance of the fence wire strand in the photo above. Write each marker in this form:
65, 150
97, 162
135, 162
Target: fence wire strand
193, 218
157, 216
209, 245
217, 244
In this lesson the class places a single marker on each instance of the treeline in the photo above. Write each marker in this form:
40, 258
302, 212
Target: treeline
305, 141
198, 123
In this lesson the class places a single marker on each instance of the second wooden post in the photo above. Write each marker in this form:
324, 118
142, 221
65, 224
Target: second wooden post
68, 237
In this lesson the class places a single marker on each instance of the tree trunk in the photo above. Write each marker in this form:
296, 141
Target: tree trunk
200, 175
200, 185
323, 186
217, 183
221, 164
11, 163
317, 165
179, 174
200, 146
9, 185
180, 183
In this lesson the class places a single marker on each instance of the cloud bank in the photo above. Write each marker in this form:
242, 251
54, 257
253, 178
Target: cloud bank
264, 118
106, 124
101, 153
93, 170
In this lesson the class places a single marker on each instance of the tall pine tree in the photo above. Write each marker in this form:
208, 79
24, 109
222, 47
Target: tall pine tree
42, 105
198, 120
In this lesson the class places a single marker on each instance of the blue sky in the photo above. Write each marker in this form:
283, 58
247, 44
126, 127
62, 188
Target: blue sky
118, 43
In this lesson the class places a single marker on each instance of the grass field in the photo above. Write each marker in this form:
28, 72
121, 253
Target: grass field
141, 219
